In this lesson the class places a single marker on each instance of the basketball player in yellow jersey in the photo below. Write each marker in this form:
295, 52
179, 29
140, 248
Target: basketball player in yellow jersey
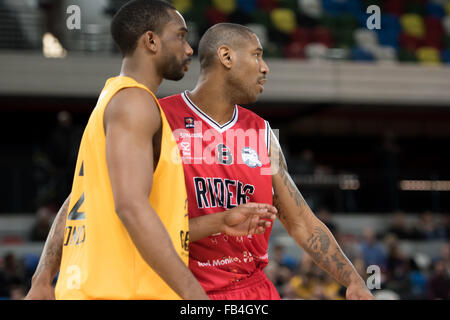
126, 223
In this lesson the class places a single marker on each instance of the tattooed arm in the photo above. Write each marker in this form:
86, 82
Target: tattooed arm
41, 283
308, 231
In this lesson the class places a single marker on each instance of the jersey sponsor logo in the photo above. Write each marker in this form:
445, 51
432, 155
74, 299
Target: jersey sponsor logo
217, 192
185, 148
247, 257
219, 262
189, 122
250, 157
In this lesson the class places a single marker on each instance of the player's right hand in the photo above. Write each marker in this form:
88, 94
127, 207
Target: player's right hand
41, 292
249, 218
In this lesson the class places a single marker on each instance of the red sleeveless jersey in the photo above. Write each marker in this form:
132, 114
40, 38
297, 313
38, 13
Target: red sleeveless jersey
224, 166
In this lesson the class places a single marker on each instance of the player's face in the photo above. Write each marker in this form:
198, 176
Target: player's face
175, 49
250, 70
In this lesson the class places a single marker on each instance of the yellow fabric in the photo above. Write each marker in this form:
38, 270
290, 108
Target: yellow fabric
428, 55
99, 259
413, 25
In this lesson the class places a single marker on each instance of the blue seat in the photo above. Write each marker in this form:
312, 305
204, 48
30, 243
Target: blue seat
360, 54
388, 37
247, 6
435, 10
445, 56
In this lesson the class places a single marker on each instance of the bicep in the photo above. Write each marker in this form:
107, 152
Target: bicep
131, 122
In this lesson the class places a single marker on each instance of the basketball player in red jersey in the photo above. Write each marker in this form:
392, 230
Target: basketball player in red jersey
230, 157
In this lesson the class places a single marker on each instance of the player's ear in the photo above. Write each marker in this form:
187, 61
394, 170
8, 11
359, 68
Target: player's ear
150, 41
225, 55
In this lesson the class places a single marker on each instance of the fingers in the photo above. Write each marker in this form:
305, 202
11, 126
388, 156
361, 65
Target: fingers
253, 226
258, 226
261, 207
264, 210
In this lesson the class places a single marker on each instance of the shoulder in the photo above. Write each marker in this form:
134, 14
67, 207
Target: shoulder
133, 106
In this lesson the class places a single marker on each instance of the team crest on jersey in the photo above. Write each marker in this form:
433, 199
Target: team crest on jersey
189, 122
250, 157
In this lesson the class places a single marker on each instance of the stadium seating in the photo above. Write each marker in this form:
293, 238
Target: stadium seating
286, 27
411, 31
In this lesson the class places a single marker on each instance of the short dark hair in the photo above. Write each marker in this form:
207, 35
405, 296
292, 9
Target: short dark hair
135, 18
229, 34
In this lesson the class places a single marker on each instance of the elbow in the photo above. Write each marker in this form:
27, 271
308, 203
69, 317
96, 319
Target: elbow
125, 210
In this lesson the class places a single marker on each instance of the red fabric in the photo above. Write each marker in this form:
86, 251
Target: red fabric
256, 287
214, 186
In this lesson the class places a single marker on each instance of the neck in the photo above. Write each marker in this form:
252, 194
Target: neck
211, 97
144, 73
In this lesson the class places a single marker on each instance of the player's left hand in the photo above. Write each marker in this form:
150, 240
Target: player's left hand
358, 291
249, 218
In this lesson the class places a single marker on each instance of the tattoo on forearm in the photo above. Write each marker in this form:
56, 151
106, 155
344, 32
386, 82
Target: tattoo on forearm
277, 204
318, 246
342, 273
289, 183
52, 252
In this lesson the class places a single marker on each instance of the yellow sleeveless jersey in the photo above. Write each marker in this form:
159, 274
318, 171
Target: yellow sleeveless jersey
99, 260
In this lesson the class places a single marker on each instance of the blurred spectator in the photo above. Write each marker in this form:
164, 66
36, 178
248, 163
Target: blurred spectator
312, 283
42, 225
439, 283
427, 229
11, 276
446, 224
17, 291
445, 256
418, 277
62, 151
372, 251
399, 226
279, 268
397, 267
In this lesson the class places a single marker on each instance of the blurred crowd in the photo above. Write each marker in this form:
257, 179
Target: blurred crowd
54, 162
403, 276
